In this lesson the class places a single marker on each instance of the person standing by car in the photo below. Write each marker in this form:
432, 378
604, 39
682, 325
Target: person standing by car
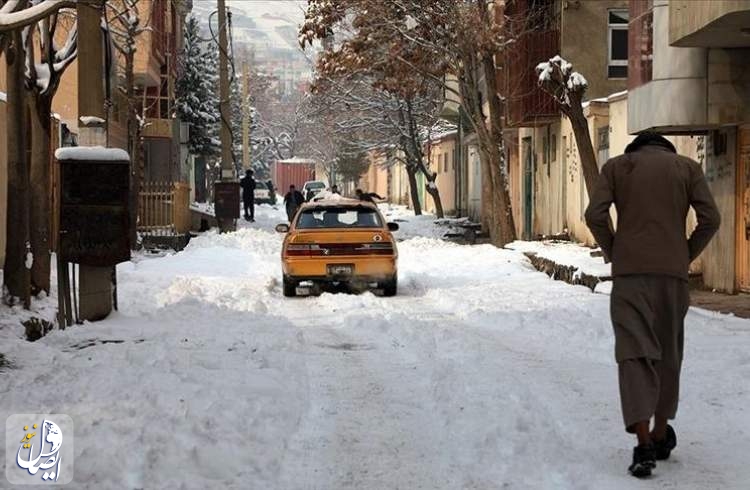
335, 190
292, 201
248, 195
271, 192
652, 189
367, 196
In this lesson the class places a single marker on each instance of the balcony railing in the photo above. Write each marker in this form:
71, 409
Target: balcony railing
527, 104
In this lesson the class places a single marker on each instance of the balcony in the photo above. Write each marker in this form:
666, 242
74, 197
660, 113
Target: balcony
527, 104
709, 24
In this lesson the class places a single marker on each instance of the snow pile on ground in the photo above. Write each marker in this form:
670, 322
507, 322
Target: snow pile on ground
426, 225
482, 373
566, 253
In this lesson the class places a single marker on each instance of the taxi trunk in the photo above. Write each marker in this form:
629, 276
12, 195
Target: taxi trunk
366, 255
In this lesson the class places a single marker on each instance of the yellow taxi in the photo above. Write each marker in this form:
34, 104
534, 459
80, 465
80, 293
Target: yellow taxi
339, 241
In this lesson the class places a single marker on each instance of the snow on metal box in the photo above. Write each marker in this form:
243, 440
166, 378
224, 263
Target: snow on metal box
94, 212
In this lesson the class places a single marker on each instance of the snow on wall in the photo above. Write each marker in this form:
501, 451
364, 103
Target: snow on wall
92, 153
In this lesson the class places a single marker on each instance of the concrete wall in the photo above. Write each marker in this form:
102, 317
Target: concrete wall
446, 179
398, 192
729, 86
676, 96
584, 43
707, 22
719, 257
375, 179
474, 184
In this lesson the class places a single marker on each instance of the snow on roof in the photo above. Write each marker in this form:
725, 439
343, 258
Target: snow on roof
617, 96
91, 120
92, 153
296, 160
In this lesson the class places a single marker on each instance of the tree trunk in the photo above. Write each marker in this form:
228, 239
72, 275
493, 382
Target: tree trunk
414, 190
433, 191
133, 137
503, 222
40, 216
16, 275
585, 147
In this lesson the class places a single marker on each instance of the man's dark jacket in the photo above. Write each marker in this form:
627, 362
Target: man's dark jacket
248, 188
652, 188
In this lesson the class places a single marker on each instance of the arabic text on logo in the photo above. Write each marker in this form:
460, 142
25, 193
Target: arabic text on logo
35, 453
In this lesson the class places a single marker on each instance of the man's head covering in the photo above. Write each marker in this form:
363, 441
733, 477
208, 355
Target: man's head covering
649, 138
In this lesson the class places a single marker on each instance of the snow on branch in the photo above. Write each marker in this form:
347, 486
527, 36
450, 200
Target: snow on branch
557, 78
10, 21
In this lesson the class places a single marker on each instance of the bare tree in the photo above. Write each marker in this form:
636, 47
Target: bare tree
372, 118
17, 15
46, 62
126, 23
447, 40
568, 88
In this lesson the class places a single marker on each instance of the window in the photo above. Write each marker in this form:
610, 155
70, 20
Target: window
617, 41
335, 217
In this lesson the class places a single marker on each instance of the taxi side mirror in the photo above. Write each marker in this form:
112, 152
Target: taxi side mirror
282, 228
393, 227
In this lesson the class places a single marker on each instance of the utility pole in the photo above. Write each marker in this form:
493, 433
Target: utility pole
245, 114
227, 190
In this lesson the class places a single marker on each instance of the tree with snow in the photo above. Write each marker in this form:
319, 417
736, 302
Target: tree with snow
451, 40
127, 21
371, 118
197, 100
43, 72
46, 62
568, 88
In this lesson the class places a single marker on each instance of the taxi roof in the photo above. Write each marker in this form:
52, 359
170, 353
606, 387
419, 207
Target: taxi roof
341, 202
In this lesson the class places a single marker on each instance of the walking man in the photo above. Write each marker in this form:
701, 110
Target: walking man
248, 195
652, 189
292, 201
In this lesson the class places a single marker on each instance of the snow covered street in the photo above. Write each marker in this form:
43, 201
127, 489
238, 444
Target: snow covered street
482, 373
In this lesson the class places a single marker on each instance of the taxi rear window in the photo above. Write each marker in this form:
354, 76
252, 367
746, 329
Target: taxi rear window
344, 217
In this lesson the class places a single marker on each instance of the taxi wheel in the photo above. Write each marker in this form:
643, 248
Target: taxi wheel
390, 287
290, 287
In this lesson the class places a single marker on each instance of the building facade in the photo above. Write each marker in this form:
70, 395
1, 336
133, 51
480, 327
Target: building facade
690, 75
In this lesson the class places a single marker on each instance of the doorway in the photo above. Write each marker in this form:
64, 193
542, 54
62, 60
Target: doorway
743, 209
528, 188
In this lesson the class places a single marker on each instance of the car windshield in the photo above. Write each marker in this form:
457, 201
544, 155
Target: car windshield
339, 217
261, 186
316, 185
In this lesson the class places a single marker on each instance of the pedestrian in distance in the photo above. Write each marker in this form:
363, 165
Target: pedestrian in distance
335, 190
248, 195
652, 189
292, 201
271, 192
367, 196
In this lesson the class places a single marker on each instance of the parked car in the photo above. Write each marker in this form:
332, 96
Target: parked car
339, 241
312, 187
262, 193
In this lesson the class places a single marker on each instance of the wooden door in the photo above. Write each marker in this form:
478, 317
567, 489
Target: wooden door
743, 209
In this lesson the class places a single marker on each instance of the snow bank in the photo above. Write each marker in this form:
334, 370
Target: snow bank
92, 153
570, 254
481, 373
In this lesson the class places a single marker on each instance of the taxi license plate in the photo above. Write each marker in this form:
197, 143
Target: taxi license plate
340, 270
